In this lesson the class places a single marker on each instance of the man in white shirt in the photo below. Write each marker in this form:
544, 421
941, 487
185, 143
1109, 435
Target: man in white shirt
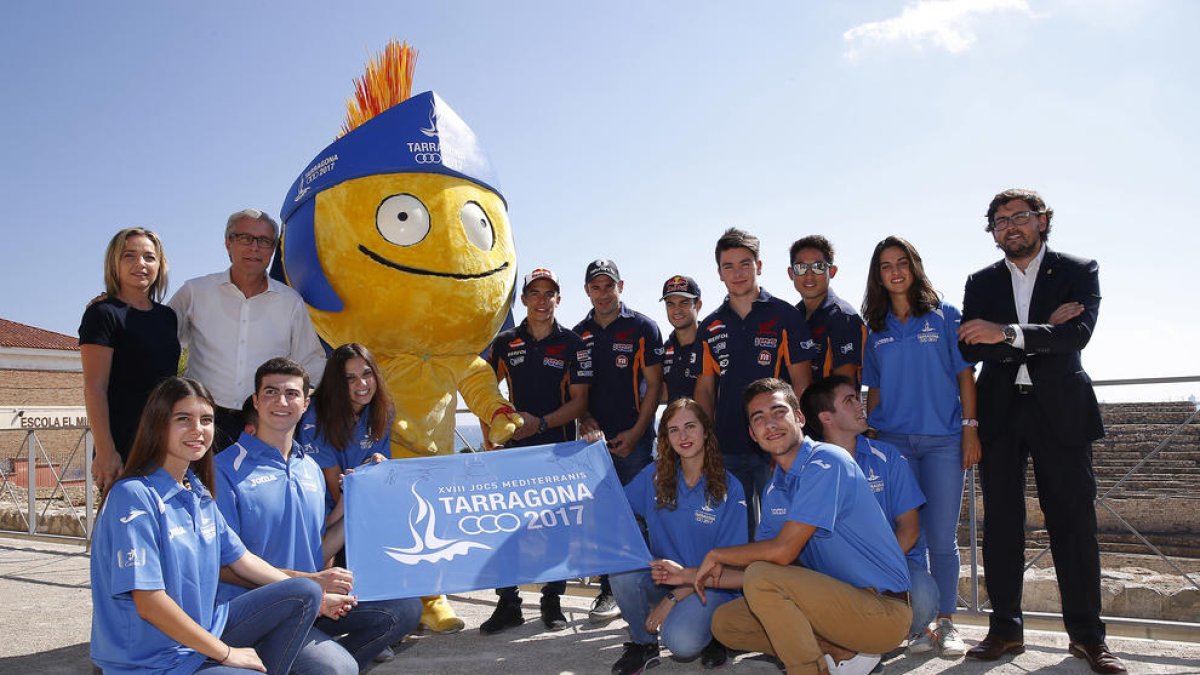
232, 321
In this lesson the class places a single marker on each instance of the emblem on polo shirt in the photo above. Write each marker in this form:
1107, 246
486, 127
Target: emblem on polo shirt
768, 326
134, 557
767, 342
764, 358
622, 360
517, 343
716, 326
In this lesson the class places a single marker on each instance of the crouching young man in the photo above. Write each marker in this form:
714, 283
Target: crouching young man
825, 583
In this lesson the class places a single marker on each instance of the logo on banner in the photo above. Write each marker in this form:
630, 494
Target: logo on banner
428, 547
489, 523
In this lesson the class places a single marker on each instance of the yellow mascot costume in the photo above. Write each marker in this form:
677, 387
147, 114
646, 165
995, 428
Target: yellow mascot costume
397, 237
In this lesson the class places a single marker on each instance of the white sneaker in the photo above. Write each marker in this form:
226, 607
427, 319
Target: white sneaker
950, 645
859, 664
920, 643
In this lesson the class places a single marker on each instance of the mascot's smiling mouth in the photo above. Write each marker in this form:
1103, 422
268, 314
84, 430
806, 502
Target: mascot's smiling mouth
416, 270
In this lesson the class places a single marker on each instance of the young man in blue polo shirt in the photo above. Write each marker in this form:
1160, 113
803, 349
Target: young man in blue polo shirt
626, 349
681, 352
751, 335
825, 580
548, 372
835, 413
835, 326
273, 495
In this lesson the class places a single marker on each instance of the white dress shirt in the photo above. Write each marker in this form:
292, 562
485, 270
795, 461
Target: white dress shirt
1022, 287
228, 336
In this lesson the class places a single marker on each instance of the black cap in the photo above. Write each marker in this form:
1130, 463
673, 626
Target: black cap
681, 285
601, 266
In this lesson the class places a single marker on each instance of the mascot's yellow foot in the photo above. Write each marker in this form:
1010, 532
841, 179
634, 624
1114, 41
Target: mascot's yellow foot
438, 616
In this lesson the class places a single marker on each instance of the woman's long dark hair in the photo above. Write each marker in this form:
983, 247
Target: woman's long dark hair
335, 413
149, 445
666, 478
922, 298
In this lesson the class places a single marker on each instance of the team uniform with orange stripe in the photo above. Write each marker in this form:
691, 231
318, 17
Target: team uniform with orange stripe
838, 333
681, 367
620, 353
737, 352
540, 373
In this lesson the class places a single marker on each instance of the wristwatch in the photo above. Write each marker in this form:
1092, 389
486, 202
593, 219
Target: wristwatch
1010, 334
671, 595
541, 425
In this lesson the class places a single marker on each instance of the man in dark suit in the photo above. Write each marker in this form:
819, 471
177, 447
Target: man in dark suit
1026, 319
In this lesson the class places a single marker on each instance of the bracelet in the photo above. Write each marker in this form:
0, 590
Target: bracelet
970, 422
671, 595
228, 651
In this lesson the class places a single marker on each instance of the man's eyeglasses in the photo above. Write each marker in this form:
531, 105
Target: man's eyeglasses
819, 267
249, 240
1001, 223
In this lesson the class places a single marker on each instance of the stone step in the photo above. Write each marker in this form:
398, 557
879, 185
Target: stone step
1110, 542
1148, 417
1146, 432
1150, 406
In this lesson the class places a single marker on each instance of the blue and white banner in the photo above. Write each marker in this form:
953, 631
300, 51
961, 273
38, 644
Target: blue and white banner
487, 520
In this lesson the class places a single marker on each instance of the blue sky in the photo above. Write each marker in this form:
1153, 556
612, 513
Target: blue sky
636, 131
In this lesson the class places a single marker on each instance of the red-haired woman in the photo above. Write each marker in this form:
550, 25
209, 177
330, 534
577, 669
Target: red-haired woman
691, 505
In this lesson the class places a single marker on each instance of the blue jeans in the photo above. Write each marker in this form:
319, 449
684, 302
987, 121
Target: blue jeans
687, 629
936, 461
274, 620
923, 596
627, 469
753, 471
351, 643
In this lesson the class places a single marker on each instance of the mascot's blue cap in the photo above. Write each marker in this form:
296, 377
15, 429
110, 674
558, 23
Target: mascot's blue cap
420, 135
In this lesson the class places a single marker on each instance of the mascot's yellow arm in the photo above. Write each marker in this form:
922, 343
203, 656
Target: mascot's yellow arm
423, 389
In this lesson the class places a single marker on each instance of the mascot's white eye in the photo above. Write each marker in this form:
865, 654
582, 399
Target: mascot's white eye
402, 219
477, 226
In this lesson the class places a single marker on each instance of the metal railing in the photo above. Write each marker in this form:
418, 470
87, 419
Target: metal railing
37, 464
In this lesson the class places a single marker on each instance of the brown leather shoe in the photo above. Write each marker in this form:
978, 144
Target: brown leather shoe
993, 648
1099, 658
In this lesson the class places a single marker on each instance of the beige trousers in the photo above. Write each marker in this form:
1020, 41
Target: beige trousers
787, 607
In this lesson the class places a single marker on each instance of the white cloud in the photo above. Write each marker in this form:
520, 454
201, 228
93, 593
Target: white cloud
943, 24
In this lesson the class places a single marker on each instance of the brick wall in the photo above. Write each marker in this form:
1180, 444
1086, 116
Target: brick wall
40, 387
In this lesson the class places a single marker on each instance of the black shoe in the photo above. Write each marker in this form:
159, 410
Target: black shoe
714, 655
636, 659
604, 609
552, 615
507, 615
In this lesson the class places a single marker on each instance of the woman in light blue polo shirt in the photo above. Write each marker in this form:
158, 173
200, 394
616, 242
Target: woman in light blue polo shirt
159, 547
691, 505
350, 419
921, 398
